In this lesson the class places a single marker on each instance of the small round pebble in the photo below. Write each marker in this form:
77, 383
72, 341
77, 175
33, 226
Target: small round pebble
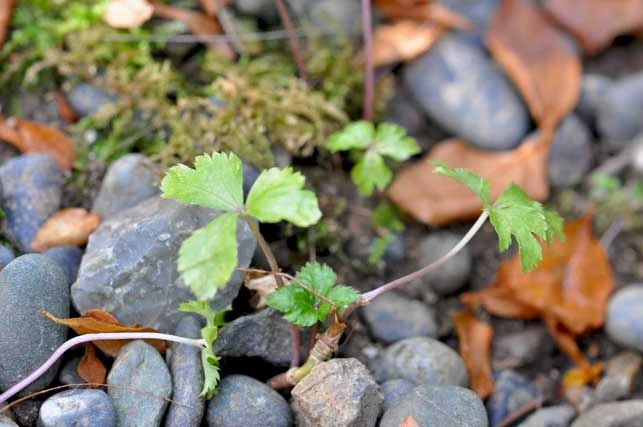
245, 402
619, 111
571, 153
421, 360
393, 317
86, 99
444, 406
394, 391
592, 88
511, 391
624, 320
78, 408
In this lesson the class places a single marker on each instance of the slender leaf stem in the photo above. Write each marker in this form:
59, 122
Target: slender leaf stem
292, 39
371, 295
17, 388
369, 78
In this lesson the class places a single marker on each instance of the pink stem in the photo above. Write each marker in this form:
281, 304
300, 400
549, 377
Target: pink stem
296, 345
369, 80
292, 39
17, 388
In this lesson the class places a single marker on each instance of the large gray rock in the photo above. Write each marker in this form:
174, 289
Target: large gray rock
444, 406
340, 392
129, 180
467, 93
245, 402
129, 266
421, 360
624, 319
628, 413
139, 385
78, 408
186, 408
29, 284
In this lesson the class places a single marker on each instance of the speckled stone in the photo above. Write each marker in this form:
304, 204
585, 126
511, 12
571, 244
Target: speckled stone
6, 256
78, 408
394, 391
67, 258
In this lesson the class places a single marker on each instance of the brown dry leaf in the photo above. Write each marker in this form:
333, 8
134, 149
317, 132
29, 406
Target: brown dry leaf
569, 290
422, 10
263, 286
199, 24
210, 6
30, 137
437, 200
409, 421
403, 40
474, 338
125, 14
91, 368
64, 109
70, 226
6, 11
534, 53
98, 321
595, 23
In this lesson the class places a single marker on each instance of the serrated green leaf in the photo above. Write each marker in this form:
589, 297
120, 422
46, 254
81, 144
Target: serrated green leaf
371, 172
201, 308
210, 363
215, 182
514, 214
342, 295
319, 277
278, 195
554, 226
379, 247
354, 136
209, 256
475, 183
391, 140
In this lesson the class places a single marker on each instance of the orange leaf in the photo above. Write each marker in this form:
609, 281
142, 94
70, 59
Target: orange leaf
534, 53
64, 109
423, 10
30, 137
409, 421
6, 10
210, 6
199, 24
127, 13
99, 321
437, 200
595, 23
403, 41
475, 348
91, 368
70, 226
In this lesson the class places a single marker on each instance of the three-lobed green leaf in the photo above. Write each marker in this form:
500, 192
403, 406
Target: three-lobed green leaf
302, 307
472, 181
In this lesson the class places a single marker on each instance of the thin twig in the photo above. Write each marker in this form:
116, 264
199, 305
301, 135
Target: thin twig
369, 79
292, 39
22, 384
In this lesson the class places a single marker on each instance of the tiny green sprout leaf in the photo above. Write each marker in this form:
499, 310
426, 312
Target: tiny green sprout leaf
278, 195
391, 141
554, 226
371, 172
475, 183
209, 256
387, 216
302, 307
378, 249
215, 182
357, 135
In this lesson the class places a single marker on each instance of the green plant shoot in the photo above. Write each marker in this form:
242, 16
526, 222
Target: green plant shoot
512, 214
208, 257
372, 145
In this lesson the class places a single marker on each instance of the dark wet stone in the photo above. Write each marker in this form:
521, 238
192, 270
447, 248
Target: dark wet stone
620, 110
592, 88
67, 258
78, 408
571, 153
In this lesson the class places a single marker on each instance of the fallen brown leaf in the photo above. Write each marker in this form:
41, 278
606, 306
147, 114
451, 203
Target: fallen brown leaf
474, 337
534, 53
210, 6
403, 40
437, 200
64, 109
263, 286
595, 23
98, 321
423, 10
199, 24
125, 14
6, 11
70, 226
30, 137
409, 421
91, 368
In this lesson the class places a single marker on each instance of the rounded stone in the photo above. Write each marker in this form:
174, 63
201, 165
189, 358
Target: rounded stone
620, 110
6, 256
511, 391
334, 16
444, 406
392, 317
592, 88
140, 385
29, 284
69, 372
245, 402
624, 320
479, 13
421, 360
86, 99
627, 413
552, 416
571, 153
31, 192
78, 408
394, 391
5, 421
466, 93
67, 258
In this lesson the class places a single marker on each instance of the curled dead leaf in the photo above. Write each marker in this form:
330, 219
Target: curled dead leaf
31, 137
423, 10
595, 23
125, 14
474, 337
263, 286
545, 68
64, 109
99, 321
70, 226
91, 368
437, 200
6, 11
403, 40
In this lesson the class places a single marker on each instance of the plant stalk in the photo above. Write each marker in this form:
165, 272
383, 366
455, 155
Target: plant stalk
22, 384
292, 39
369, 65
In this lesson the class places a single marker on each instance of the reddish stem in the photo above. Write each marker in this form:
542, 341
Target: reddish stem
369, 79
292, 39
